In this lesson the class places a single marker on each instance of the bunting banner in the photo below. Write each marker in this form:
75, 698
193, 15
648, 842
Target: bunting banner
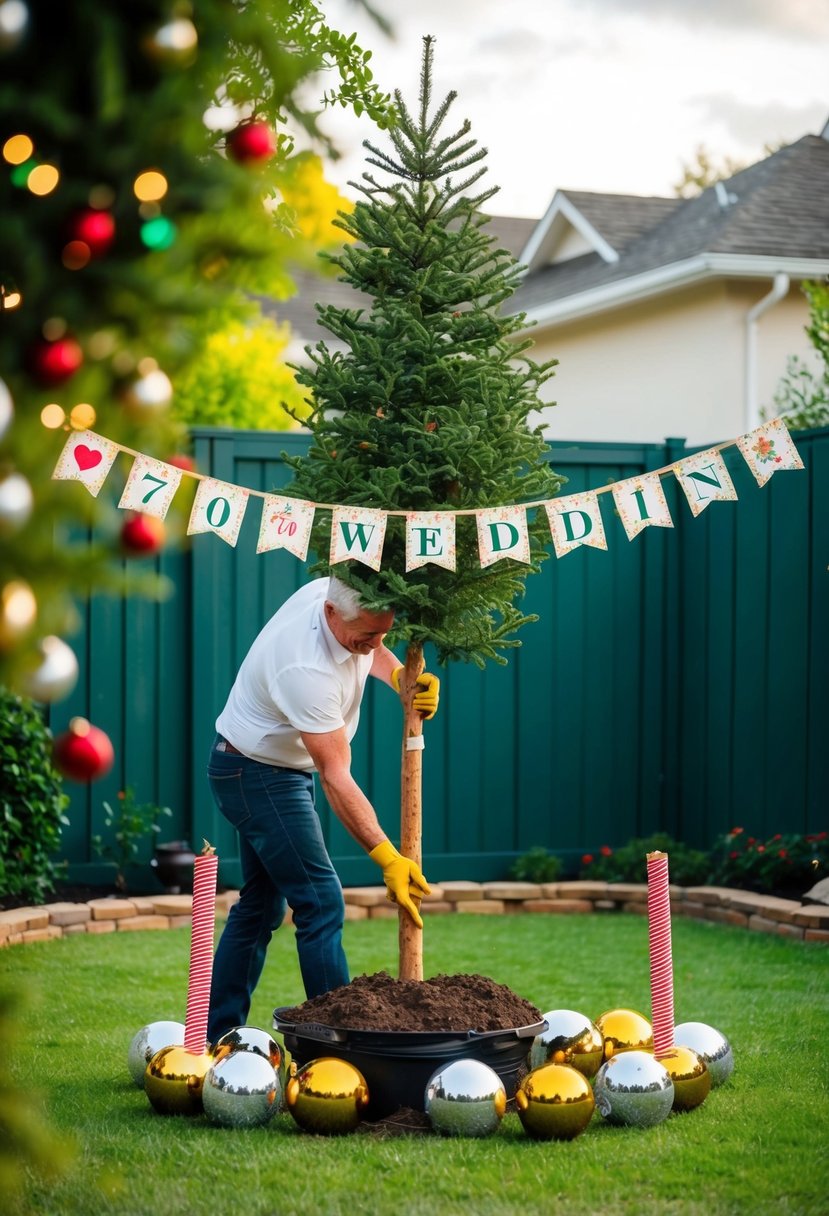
358, 533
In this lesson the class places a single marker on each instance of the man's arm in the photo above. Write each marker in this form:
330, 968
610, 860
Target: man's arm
331, 754
384, 664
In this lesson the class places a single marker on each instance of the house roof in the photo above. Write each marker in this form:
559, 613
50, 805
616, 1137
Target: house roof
772, 217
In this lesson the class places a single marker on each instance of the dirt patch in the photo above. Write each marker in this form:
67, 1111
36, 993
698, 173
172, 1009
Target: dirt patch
444, 1002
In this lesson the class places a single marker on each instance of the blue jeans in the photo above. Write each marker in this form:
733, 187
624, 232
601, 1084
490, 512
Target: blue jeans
284, 861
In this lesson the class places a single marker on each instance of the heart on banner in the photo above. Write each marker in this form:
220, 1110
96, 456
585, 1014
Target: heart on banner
86, 458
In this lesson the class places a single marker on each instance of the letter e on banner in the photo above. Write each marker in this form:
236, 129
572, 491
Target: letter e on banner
218, 507
430, 537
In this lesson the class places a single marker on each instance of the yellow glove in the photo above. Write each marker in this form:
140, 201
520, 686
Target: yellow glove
425, 702
402, 878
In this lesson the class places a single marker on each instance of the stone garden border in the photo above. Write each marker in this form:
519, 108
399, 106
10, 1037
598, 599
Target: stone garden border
759, 913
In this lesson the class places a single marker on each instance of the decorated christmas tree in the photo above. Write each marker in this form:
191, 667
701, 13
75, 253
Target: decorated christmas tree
425, 419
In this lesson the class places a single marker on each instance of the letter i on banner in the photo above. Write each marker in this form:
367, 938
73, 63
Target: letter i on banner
704, 479
769, 449
218, 507
430, 537
575, 520
502, 532
87, 458
150, 487
286, 524
357, 533
641, 503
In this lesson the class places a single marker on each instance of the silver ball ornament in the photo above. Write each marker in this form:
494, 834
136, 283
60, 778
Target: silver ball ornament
710, 1045
56, 674
16, 503
6, 408
633, 1089
251, 1039
241, 1090
14, 21
148, 394
150, 1039
570, 1038
465, 1098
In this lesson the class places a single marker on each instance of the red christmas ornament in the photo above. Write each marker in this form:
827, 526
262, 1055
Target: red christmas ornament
252, 141
83, 752
96, 229
54, 362
142, 535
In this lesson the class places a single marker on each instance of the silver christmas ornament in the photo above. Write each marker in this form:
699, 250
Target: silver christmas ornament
710, 1045
14, 19
241, 1090
6, 408
56, 674
570, 1038
465, 1098
249, 1038
148, 394
16, 502
147, 1042
633, 1089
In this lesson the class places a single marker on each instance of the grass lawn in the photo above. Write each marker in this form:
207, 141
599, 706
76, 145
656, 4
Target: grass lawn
759, 1144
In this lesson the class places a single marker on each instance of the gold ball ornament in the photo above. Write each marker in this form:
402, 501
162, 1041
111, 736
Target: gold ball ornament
148, 394
570, 1038
690, 1075
624, 1030
174, 1080
326, 1096
18, 612
554, 1102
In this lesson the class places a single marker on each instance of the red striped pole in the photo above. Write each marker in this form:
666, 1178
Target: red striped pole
659, 941
201, 950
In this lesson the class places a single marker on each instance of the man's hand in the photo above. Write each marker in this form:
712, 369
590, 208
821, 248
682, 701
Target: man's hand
402, 878
425, 701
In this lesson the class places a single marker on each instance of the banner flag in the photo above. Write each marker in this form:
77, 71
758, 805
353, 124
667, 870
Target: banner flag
218, 507
575, 520
358, 533
150, 486
430, 537
641, 503
87, 458
502, 532
704, 479
286, 524
769, 449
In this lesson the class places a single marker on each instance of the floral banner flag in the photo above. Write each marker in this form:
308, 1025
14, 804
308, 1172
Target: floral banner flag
641, 503
286, 524
218, 507
575, 520
502, 532
357, 533
87, 458
430, 537
150, 486
704, 479
769, 449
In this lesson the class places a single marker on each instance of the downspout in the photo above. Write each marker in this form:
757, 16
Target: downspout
779, 290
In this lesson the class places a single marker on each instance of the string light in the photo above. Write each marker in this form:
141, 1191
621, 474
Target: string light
76, 255
43, 179
17, 149
158, 233
52, 416
150, 186
82, 416
9, 299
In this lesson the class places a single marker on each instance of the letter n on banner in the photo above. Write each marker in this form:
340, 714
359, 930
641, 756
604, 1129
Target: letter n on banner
502, 532
286, 524
704, 479
575, 520
218, 507
358, 533
430, 537
641, 503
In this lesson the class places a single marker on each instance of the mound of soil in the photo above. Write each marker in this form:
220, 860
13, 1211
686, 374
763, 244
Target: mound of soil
444, 1002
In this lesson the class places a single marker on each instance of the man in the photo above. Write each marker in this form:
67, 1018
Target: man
294, 709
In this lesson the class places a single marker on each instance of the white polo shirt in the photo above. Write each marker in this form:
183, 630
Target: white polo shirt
295, 677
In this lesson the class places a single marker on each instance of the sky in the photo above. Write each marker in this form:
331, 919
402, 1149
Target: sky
605, 95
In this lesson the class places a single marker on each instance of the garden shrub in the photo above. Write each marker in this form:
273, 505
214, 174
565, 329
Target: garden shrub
790, 862
536, 865
32, 801
688, 867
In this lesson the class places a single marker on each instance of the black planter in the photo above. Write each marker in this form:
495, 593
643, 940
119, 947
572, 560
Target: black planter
398, 1064
173, 864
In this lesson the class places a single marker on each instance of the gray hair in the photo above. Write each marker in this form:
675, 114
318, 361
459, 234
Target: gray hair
345, 599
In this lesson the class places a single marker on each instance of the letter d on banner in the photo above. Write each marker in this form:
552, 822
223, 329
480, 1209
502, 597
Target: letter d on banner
575, 520
502, 532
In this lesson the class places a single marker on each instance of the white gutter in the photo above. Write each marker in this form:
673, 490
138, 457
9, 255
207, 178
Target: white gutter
779, 290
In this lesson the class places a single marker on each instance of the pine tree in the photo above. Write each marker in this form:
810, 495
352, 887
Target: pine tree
428, 407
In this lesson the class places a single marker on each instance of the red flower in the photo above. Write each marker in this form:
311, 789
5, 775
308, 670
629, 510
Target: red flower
751, 840
734, 855
735, 832
761, 848
782, 853
121, 795
606, 850
777, 837
587, 859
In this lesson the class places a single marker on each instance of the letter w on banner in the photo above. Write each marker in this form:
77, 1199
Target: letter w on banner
86, 457
705, 479
768, 449
286, 524
358, 533
575, 520
218, 507
150, 487
430, 537
641, 503
502, 532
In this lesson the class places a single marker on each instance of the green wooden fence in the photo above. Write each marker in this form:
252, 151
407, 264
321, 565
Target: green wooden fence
677, 682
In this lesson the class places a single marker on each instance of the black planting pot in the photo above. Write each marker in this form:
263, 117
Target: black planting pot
173, 863
397, 1065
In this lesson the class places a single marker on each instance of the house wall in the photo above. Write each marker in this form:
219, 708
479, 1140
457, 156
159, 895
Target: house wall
673, 365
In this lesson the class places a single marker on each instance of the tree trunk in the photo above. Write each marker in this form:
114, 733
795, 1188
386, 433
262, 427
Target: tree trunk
410, 938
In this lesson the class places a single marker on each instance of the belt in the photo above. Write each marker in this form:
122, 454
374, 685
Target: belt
224, 746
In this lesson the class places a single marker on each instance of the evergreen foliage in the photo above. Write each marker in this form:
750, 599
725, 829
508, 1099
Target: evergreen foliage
802, 396
428, 407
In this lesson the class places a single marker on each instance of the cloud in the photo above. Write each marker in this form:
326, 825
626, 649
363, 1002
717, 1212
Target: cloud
796, 18
755, 124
